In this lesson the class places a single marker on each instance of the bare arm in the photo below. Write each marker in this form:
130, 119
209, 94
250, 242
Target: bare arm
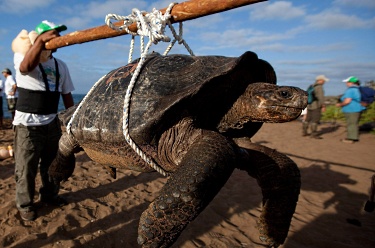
32, 56
13, 90
68, 100
345, 102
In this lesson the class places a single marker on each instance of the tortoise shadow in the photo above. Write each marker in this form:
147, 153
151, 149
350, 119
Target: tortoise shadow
125, 235
97, 225
346, 218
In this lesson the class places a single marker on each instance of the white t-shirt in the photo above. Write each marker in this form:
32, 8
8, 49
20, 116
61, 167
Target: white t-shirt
9, 82
1, 87
34, 81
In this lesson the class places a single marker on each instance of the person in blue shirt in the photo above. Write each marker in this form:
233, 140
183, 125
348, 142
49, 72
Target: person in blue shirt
350, 103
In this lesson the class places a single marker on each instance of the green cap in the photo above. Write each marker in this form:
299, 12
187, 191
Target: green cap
351, 80
45, 26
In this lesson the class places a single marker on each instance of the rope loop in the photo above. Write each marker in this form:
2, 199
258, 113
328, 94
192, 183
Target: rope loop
151, 25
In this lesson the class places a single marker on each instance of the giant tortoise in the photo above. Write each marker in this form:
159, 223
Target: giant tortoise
193, 117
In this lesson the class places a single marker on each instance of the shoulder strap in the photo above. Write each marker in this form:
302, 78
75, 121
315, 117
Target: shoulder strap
57, 76
45, 76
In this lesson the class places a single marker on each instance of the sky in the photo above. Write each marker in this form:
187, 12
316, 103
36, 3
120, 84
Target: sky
300, 39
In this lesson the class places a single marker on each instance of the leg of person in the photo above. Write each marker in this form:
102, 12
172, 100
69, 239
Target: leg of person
305, 124
49, 190
352, 126
315, 119
1, 111
27, 152
11, 106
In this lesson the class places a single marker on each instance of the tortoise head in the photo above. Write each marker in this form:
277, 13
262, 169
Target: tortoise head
265, 102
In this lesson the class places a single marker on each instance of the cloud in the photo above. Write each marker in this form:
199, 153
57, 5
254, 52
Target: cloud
278, 10
21, 6
83, 15
160, 4
362, 3
336, 20
307, 49
3, 31
246, 39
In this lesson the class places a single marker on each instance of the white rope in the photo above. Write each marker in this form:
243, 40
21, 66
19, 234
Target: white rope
177, 38
68, 127
153, 26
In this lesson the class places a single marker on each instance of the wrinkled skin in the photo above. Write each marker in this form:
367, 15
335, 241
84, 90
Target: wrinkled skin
194, 117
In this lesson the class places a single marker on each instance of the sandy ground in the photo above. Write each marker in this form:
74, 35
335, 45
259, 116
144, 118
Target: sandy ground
104, 212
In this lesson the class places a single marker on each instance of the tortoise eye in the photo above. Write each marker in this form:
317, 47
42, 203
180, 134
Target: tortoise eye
285, 94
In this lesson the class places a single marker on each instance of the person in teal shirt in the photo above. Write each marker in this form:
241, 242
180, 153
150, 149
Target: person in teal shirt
350, 103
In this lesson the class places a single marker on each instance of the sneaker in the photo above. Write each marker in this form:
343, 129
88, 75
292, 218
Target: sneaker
347, 141
57, 201
27, 214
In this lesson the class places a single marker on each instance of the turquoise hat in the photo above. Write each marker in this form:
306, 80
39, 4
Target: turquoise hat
45, 26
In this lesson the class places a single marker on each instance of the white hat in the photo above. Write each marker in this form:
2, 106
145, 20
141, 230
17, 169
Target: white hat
351, 80
322, 77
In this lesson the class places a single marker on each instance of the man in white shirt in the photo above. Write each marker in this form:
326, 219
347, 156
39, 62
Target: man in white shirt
1, 104
41, 80
10, 90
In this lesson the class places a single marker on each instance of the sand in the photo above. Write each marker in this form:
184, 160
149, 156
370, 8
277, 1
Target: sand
104, 212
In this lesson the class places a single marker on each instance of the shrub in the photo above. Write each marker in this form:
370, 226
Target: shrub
334, 113
368, 115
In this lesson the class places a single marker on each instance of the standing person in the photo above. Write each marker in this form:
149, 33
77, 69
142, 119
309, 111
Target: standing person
10, 91
41, 79
315, 108
350, 103
1, 104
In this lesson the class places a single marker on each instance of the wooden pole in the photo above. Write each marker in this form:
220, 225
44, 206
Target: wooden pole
180, 12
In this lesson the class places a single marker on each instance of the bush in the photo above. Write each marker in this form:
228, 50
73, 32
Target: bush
334, 113
368, 115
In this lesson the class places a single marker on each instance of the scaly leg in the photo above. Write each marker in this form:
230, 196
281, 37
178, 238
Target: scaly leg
280, 181
63, 165
202, 173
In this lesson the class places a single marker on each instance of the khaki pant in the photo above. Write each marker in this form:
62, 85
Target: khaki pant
312, 120
12, 102
352, 122
35, 147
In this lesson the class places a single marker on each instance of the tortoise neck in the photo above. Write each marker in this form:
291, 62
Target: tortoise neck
236, 117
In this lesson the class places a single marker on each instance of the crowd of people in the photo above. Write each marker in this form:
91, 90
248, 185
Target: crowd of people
349, 102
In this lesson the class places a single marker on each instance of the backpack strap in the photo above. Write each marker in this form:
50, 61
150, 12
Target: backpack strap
44, 75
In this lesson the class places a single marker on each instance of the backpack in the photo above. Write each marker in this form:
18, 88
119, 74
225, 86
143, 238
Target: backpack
310, 94
367, 95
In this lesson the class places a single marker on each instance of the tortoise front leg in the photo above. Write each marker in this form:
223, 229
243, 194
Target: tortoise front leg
280, 181
63, 165
202, 173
